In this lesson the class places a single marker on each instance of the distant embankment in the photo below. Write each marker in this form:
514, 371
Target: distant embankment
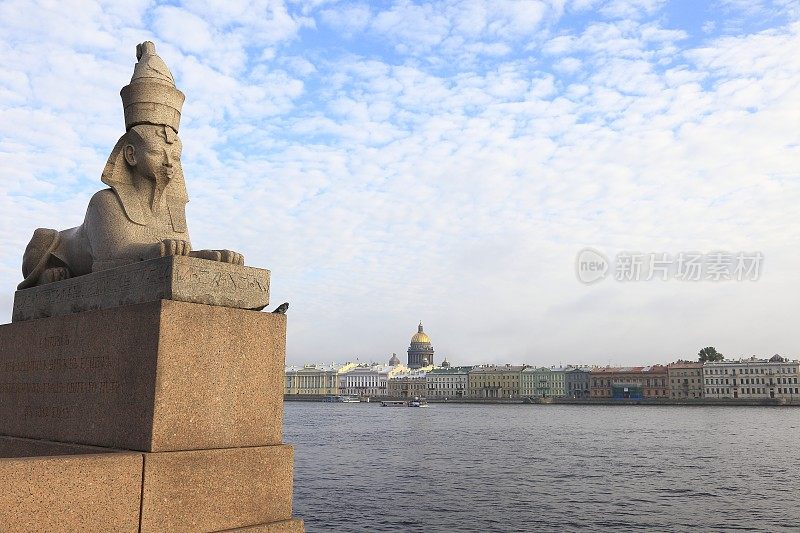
379, 399
688, 402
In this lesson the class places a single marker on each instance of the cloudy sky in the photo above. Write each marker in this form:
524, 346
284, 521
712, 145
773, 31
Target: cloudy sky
399, 161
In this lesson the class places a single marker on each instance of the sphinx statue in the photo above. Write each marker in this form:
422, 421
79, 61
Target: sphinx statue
142, 215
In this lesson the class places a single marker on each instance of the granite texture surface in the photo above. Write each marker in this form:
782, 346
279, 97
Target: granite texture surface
284, 526
179, 278
19, 447
68, 493
213, 490
201, 490
157, 376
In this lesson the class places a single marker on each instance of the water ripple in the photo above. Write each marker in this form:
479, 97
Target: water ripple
508, 468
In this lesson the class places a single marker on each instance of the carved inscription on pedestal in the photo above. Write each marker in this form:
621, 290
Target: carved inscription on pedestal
41, 385
67, 379
180, 278
218, 276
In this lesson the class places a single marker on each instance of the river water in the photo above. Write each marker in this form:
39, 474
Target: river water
508, 468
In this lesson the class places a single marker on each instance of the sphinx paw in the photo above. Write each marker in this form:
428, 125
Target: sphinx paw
223, 256
174, 247
54, 274
229, 256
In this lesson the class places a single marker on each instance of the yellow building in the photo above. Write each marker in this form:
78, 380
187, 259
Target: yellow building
495, 381
316, 380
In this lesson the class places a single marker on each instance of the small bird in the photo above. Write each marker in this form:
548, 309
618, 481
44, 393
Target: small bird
281, 309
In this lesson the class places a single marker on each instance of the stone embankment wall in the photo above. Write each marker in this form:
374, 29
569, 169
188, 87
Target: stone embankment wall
688, 402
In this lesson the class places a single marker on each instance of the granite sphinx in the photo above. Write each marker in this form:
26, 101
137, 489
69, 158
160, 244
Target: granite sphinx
140, 387
142, 215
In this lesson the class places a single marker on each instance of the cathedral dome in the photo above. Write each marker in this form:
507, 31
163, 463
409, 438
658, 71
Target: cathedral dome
394, 361
420, 336
420, 352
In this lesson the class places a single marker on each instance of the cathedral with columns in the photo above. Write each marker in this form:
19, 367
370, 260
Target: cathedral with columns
420, 352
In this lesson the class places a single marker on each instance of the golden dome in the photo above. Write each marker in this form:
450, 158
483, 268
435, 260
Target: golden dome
420, 336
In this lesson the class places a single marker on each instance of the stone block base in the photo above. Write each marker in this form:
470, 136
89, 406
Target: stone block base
213, 490
158, 376
66, 493
285, 526
237, 489
180, 278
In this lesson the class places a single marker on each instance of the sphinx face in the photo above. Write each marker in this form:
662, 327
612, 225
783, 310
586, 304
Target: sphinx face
156, 153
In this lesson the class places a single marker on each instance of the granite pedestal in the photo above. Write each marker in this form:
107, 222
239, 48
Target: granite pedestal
157, 376
155, 416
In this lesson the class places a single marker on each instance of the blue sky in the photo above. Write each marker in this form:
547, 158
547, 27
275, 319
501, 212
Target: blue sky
443, 161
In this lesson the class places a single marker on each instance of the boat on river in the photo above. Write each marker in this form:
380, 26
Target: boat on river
393, 403
341, 398
418, 402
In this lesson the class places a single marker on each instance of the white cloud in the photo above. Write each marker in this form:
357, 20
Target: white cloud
348, 19
568, 65
183, 29
453, 181
413, 28
463, 31
631, 8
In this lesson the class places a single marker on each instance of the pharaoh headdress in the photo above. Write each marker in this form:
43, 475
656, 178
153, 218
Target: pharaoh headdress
150, 98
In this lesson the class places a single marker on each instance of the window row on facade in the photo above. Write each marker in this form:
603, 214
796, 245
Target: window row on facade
745, 378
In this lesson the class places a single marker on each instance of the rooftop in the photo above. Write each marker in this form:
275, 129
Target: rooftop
753, 360
486, 369
629, 369
452, 370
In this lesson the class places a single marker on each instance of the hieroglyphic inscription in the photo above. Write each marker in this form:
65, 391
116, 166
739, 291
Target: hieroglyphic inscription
185, 279
53, 341
218, 276
119, 281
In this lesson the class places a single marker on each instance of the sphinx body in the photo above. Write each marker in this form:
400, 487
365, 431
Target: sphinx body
142, 215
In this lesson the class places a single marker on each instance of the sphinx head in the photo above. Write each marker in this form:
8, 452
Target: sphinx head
149, 152
152, 153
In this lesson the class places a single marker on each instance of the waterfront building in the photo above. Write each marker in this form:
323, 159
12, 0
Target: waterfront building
533, 382
627, 381
685, 379
409, 384
495, 381
558, 387
314, 379
543, 382
448, 381
752, 378
369, 380
420, 352
656, 381
290, 379
630, 382
576, 382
